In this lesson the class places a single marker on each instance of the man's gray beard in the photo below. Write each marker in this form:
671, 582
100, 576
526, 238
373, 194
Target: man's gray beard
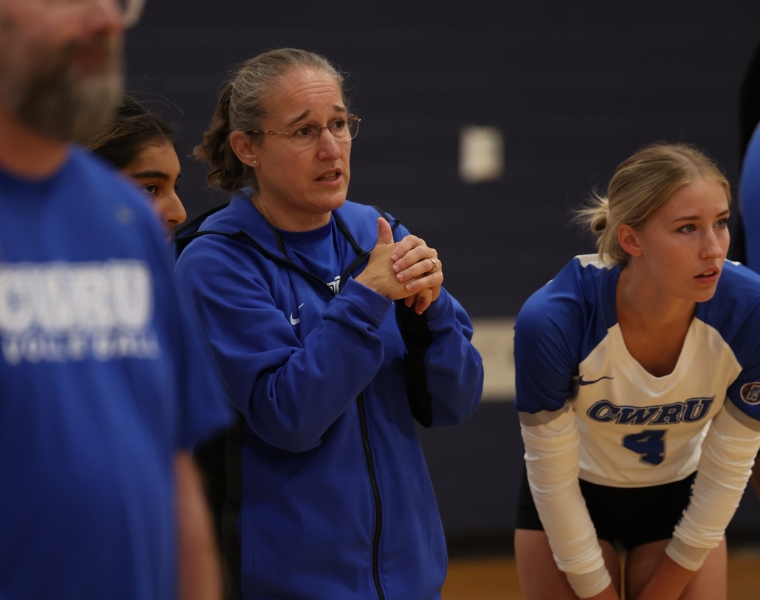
55, 100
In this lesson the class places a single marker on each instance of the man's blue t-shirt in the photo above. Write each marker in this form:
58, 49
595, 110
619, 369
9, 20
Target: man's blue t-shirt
102, 380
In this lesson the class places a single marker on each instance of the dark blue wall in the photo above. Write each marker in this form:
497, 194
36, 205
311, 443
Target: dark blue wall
574, 86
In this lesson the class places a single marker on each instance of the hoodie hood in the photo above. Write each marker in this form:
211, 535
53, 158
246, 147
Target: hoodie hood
241, 219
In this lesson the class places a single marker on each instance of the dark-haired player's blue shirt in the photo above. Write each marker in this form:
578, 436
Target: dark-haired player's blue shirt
636, 429
102, 381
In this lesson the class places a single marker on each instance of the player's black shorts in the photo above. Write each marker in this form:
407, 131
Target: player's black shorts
630, 516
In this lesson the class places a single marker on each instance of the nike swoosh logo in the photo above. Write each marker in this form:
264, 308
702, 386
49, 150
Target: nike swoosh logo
581, 382
298, 320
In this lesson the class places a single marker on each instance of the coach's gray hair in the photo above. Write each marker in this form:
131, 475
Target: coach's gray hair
242, 107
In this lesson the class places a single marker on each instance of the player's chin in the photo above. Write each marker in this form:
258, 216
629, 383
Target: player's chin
705, 295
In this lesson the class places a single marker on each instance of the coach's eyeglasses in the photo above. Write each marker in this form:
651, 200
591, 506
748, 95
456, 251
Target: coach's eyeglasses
305, 135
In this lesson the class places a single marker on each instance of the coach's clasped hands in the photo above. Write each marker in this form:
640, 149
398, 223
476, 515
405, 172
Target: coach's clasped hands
408, 269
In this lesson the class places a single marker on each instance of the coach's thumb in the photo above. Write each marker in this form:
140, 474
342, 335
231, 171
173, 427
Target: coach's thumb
384, 232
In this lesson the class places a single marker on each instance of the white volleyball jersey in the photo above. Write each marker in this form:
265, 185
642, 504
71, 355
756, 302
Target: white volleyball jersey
636, 429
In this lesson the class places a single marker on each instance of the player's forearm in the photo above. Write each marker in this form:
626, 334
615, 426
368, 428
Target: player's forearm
608, 593
728, 452
552, 460
668, 582
199, 570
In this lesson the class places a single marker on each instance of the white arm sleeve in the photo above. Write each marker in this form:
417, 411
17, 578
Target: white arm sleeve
552, 459
728, 453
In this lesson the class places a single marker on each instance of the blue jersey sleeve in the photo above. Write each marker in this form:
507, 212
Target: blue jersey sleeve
548, 338
744, 392
735, 312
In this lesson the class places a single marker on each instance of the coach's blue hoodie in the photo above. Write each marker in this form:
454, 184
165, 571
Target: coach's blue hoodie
332, 493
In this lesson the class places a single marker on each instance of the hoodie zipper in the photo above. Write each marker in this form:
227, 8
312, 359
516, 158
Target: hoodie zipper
375, 495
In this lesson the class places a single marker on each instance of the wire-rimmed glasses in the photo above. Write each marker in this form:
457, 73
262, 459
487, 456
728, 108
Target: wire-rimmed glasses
305, 135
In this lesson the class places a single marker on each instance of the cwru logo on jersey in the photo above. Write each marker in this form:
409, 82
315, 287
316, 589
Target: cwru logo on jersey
690, 411
750, 392
58, 312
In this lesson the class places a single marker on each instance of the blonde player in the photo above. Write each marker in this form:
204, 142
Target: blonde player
638, 386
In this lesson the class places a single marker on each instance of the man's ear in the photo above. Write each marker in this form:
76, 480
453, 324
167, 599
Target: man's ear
629, 240
246, 152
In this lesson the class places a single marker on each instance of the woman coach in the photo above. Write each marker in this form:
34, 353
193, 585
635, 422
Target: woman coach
334, 334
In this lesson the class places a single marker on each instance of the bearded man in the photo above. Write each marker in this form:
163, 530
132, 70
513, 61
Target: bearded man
104, 384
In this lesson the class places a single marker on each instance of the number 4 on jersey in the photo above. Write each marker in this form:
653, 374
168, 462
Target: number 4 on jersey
650, 443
